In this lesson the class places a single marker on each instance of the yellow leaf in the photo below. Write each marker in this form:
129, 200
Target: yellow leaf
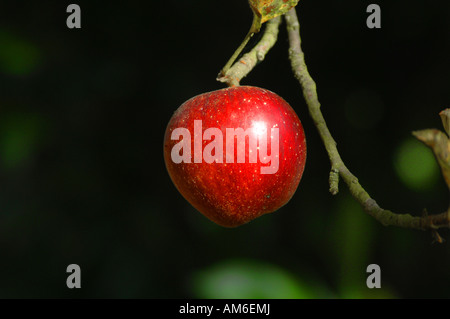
440, 144
445, 117
269, 9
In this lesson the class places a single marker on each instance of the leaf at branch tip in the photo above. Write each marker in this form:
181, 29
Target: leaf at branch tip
264, 10
440, 144
445, 117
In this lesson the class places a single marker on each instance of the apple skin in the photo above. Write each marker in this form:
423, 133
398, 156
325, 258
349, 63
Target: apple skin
232, 194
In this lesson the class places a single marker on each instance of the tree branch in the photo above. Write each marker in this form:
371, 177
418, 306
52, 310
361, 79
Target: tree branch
338, 168
249, 60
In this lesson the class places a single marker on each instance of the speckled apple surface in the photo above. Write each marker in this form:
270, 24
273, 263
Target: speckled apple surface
232, 194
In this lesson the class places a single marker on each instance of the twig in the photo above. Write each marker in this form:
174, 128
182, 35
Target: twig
338, 168
249, 60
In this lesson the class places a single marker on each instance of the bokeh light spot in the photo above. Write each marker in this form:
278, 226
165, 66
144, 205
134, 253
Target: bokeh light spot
19, 136
416, 166
17, 56
240, 279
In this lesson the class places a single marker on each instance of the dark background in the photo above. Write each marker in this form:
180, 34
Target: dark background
82, 176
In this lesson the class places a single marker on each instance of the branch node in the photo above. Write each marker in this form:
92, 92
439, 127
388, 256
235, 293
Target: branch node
334, 181
260, 55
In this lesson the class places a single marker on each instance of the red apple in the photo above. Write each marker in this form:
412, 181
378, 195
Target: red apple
236, 153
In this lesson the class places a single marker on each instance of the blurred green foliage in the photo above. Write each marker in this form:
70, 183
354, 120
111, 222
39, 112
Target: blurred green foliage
416, 165
20, 135
18, 56
248, 280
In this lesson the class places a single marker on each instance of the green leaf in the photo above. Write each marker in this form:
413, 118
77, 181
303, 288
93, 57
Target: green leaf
265, 10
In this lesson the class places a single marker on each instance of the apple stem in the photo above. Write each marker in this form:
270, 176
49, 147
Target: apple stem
253, 29
250, 59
